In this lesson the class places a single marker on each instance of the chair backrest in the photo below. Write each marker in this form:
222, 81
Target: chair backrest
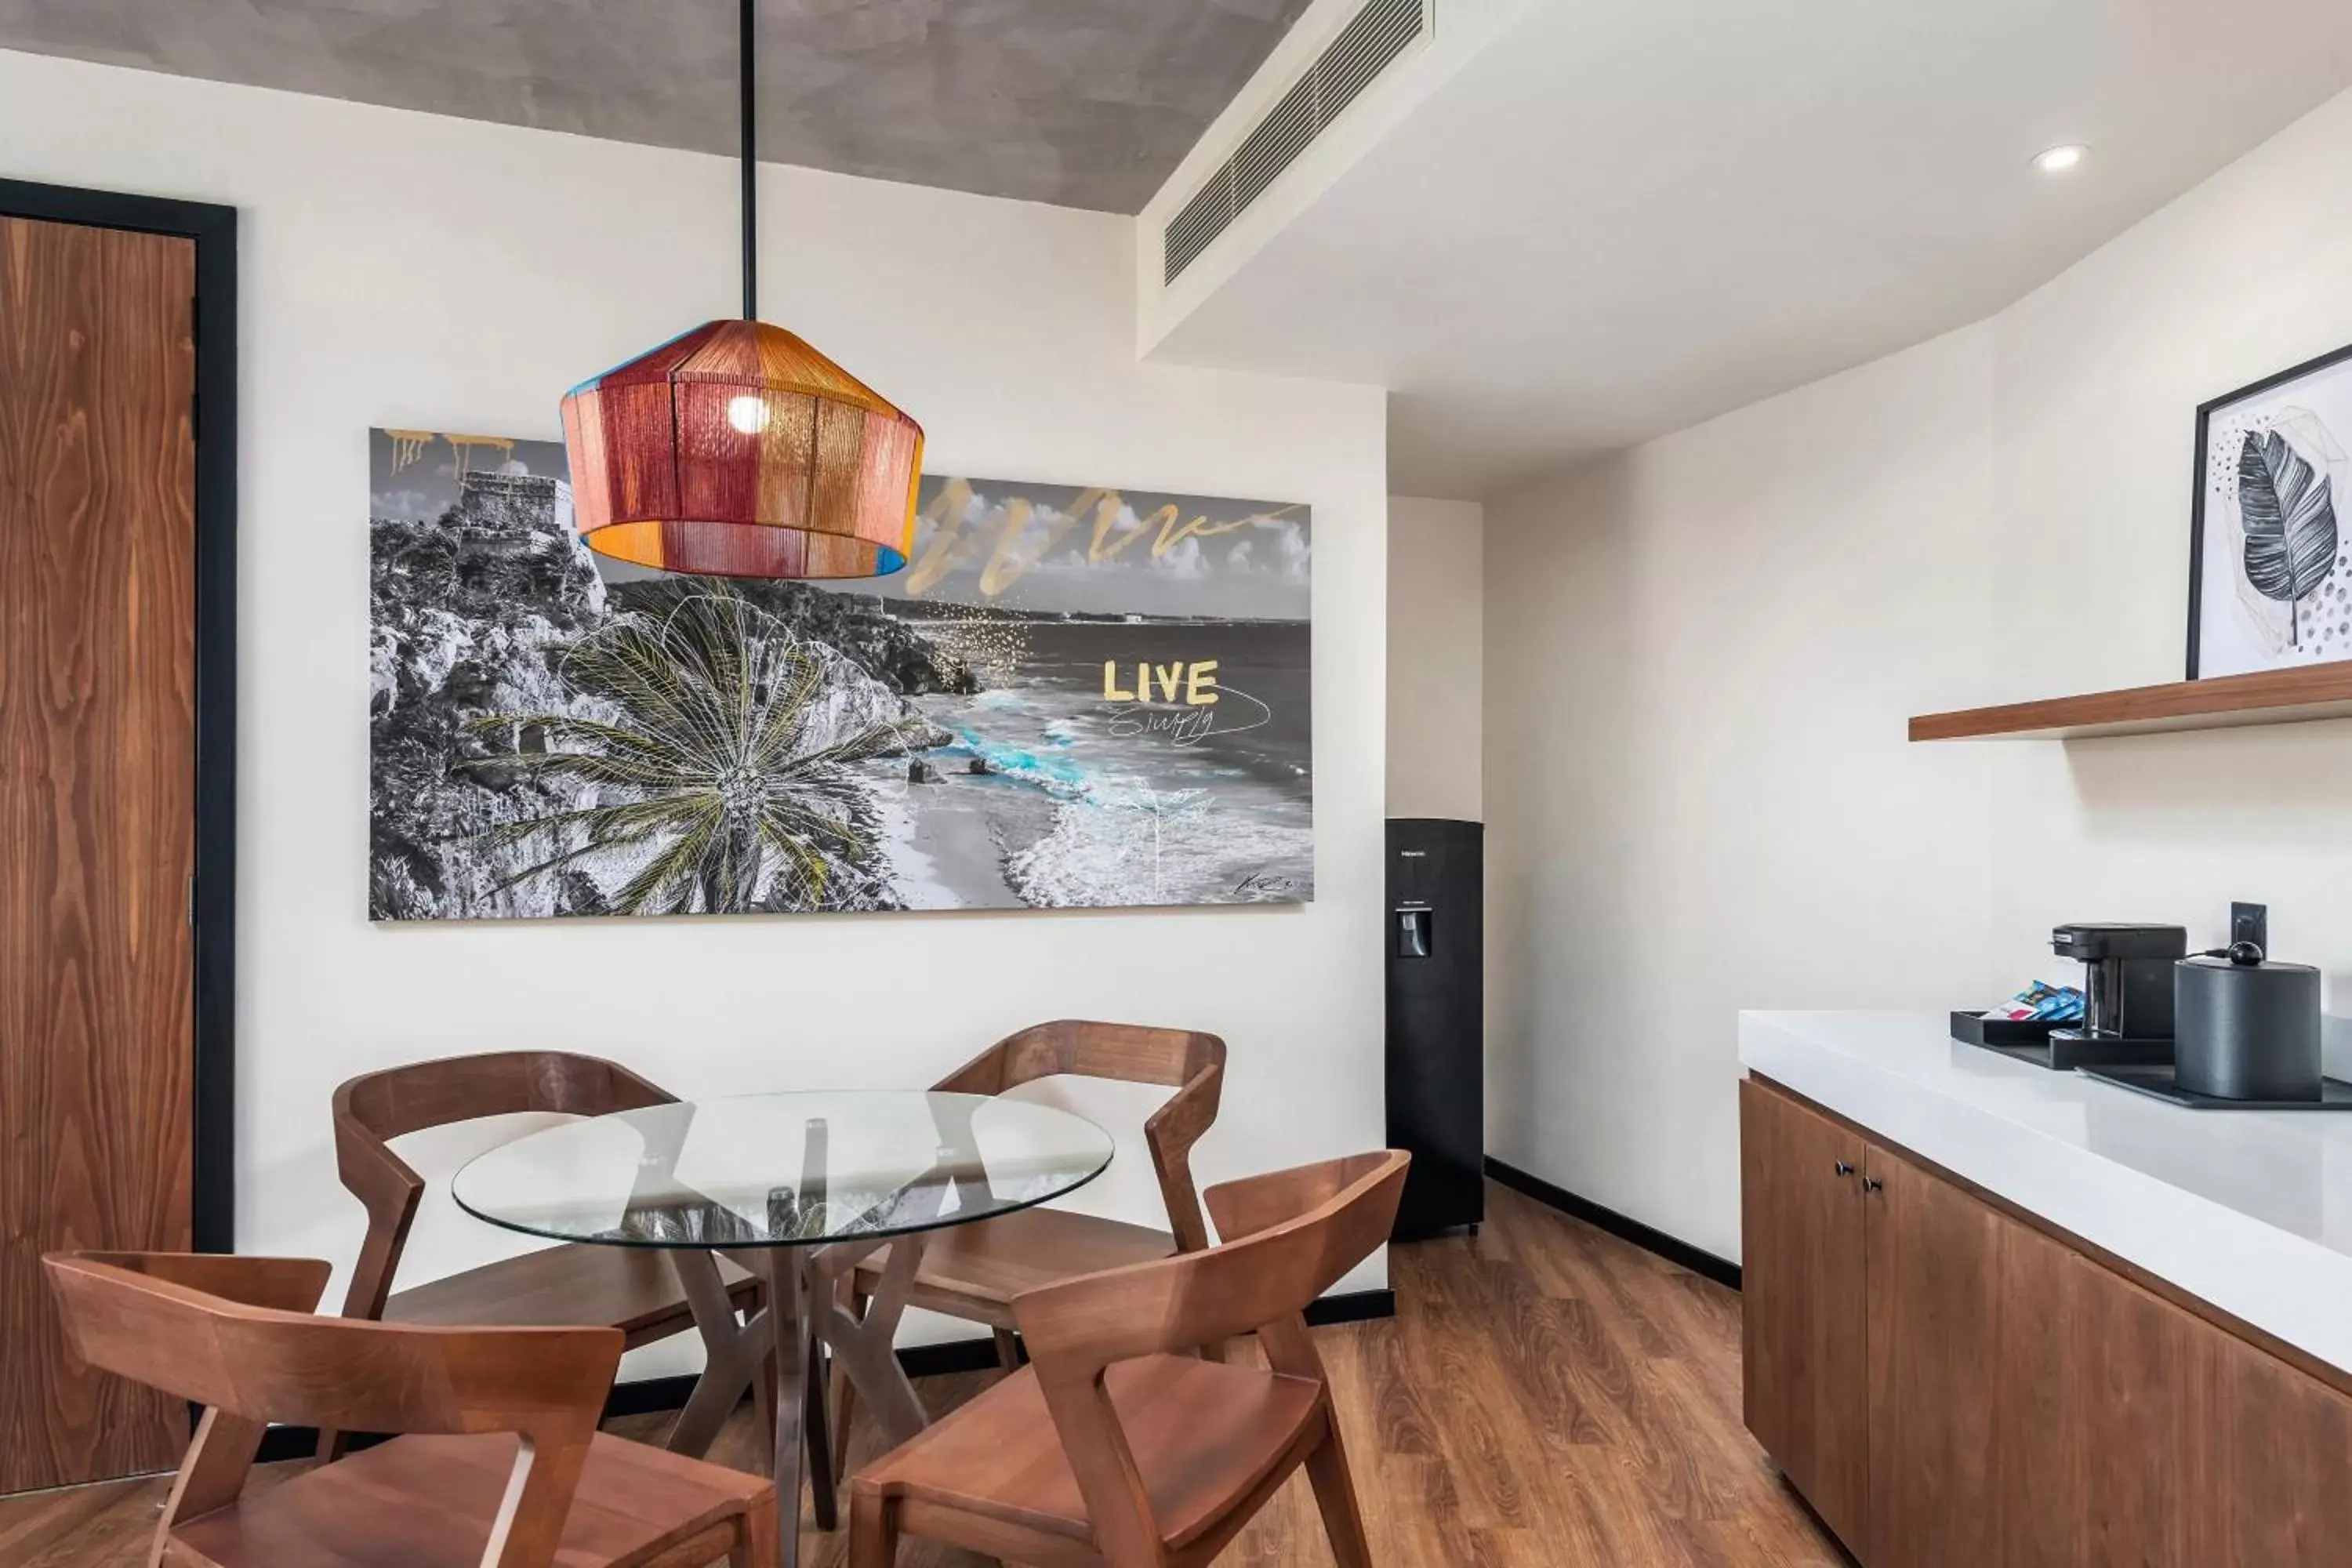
1193, 1062
372, 1109
1287, 1237
236, 1335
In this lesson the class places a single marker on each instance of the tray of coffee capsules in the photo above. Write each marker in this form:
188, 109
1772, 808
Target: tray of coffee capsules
2025, 1019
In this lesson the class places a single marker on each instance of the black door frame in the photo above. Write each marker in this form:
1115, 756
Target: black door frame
213, 895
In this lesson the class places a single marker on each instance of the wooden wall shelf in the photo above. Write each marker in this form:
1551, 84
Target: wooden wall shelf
2266, 697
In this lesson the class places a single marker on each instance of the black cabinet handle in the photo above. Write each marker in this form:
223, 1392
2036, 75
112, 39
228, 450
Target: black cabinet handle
1873, 1185
1842, 1169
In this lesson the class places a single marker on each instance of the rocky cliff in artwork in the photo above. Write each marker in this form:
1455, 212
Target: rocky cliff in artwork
548, 744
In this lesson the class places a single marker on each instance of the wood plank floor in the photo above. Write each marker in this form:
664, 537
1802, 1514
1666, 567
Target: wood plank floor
1546, 1395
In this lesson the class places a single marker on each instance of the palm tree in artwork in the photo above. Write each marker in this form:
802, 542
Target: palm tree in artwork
717, 771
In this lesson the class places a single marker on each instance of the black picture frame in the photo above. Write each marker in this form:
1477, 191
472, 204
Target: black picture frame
213, 228
2205, 412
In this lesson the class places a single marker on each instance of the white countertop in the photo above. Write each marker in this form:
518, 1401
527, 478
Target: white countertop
2248, 1210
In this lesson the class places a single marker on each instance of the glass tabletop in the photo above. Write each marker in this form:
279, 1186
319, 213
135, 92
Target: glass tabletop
783, 1169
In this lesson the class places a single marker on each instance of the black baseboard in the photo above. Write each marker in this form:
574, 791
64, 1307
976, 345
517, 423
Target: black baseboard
1705, 1265
282, 1443
652, 1396
648, 1396
947, 1357
1354, 1307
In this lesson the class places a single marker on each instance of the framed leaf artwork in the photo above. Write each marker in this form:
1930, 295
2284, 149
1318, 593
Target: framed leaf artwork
2270, 565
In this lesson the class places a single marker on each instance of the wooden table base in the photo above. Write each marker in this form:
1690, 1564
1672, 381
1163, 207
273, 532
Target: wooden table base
805, 1315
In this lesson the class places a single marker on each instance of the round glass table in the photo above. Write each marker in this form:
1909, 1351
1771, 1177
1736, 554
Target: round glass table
797, 1189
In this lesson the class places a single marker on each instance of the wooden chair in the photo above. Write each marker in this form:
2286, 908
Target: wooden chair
975, 1271
1113, 1447
633, 1290
504, 1468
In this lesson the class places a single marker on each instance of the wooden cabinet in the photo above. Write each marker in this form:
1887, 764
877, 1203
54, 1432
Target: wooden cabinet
2036, 1462
2158, 1436
1949, 1384
2283, 1452
1932, 1266
1802, 1362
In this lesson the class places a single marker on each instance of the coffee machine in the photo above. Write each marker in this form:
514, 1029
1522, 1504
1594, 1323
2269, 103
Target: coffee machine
2127, 993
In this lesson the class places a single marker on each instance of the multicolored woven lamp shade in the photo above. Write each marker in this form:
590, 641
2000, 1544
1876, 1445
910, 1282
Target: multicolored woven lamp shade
737, 450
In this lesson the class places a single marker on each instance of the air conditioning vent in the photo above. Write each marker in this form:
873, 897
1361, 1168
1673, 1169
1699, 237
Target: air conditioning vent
1366, 46
1204, 217
1275, 144
1362, 50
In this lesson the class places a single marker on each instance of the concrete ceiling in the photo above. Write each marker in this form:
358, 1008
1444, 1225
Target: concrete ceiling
1620, 217
1086, 104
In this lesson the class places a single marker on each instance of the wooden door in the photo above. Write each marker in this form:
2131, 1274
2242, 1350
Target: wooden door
2285, 1443
2040, 1466
1934, 1266
2196, 1446
97, 810
1802, 1296
2143, 1412
2034, 1408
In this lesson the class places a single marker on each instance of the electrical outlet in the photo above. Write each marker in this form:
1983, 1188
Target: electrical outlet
2250, 922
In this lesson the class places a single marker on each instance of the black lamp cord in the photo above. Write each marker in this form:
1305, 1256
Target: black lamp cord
745, 52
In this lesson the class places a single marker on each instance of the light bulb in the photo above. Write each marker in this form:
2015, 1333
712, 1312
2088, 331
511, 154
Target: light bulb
2058, 160
748, 414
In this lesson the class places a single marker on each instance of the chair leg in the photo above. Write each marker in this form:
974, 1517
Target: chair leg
1008, 1350
1335, 1496
872, 1530
755, 1538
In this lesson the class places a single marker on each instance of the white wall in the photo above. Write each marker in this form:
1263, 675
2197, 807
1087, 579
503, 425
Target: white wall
1436, 607
1701, 653
400, 269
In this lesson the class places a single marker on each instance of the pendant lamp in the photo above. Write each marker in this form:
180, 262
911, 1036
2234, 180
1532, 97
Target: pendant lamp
738, 450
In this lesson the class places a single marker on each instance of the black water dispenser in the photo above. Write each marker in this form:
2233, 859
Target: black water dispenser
1437, 1021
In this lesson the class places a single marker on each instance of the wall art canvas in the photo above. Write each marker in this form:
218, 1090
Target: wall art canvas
1072, 698
2270, 559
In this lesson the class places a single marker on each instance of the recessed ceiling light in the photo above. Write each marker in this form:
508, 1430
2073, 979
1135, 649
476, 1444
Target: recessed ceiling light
2058, 160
